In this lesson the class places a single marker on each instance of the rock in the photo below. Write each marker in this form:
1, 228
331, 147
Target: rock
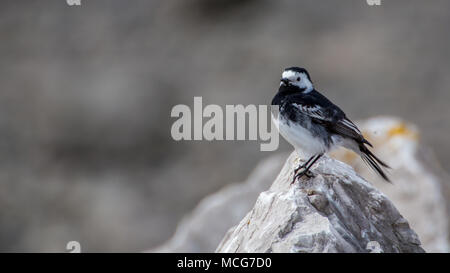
336, 211
417, 179
416, 191
203, 229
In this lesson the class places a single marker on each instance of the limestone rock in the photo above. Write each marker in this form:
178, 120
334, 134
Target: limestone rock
336, 211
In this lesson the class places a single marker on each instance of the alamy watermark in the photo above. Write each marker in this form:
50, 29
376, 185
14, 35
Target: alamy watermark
73, 2
373, 2
234, 122
73, 247
78, 2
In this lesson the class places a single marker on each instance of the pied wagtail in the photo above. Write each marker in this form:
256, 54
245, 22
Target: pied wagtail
314, 125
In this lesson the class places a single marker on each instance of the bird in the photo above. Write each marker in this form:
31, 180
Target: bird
314, 125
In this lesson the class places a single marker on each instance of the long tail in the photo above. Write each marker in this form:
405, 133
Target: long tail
373, 161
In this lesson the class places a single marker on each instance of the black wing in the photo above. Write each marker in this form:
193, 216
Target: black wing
325, 113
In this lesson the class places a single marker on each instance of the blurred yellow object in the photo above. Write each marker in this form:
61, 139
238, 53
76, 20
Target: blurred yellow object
401, 129
348, 156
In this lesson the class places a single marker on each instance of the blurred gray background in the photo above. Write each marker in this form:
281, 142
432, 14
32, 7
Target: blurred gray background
86, 94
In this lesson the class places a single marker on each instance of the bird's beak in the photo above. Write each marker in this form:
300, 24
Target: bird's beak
284, 81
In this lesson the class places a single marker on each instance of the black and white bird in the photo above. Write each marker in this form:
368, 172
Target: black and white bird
314, 125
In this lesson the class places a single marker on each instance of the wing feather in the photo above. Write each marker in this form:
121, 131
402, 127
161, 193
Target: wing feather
335, 123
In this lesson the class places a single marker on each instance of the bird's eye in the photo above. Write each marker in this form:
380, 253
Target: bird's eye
298, 79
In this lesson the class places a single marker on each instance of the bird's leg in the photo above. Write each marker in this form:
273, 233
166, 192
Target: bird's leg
301, 167
304, 165
308, 166
306, 171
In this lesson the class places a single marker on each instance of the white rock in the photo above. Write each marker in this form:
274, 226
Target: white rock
336, 211
417, 188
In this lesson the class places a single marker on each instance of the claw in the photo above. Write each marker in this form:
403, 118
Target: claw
306, 173
306, 167
293, 180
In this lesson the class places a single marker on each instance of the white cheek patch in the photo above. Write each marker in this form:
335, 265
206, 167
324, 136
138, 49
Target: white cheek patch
305, 83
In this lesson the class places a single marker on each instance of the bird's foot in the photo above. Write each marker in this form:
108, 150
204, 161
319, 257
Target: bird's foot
306, 173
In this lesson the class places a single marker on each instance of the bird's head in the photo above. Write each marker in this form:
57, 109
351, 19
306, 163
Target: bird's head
297, 77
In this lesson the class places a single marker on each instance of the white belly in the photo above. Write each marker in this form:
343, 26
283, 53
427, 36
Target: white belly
302, 140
